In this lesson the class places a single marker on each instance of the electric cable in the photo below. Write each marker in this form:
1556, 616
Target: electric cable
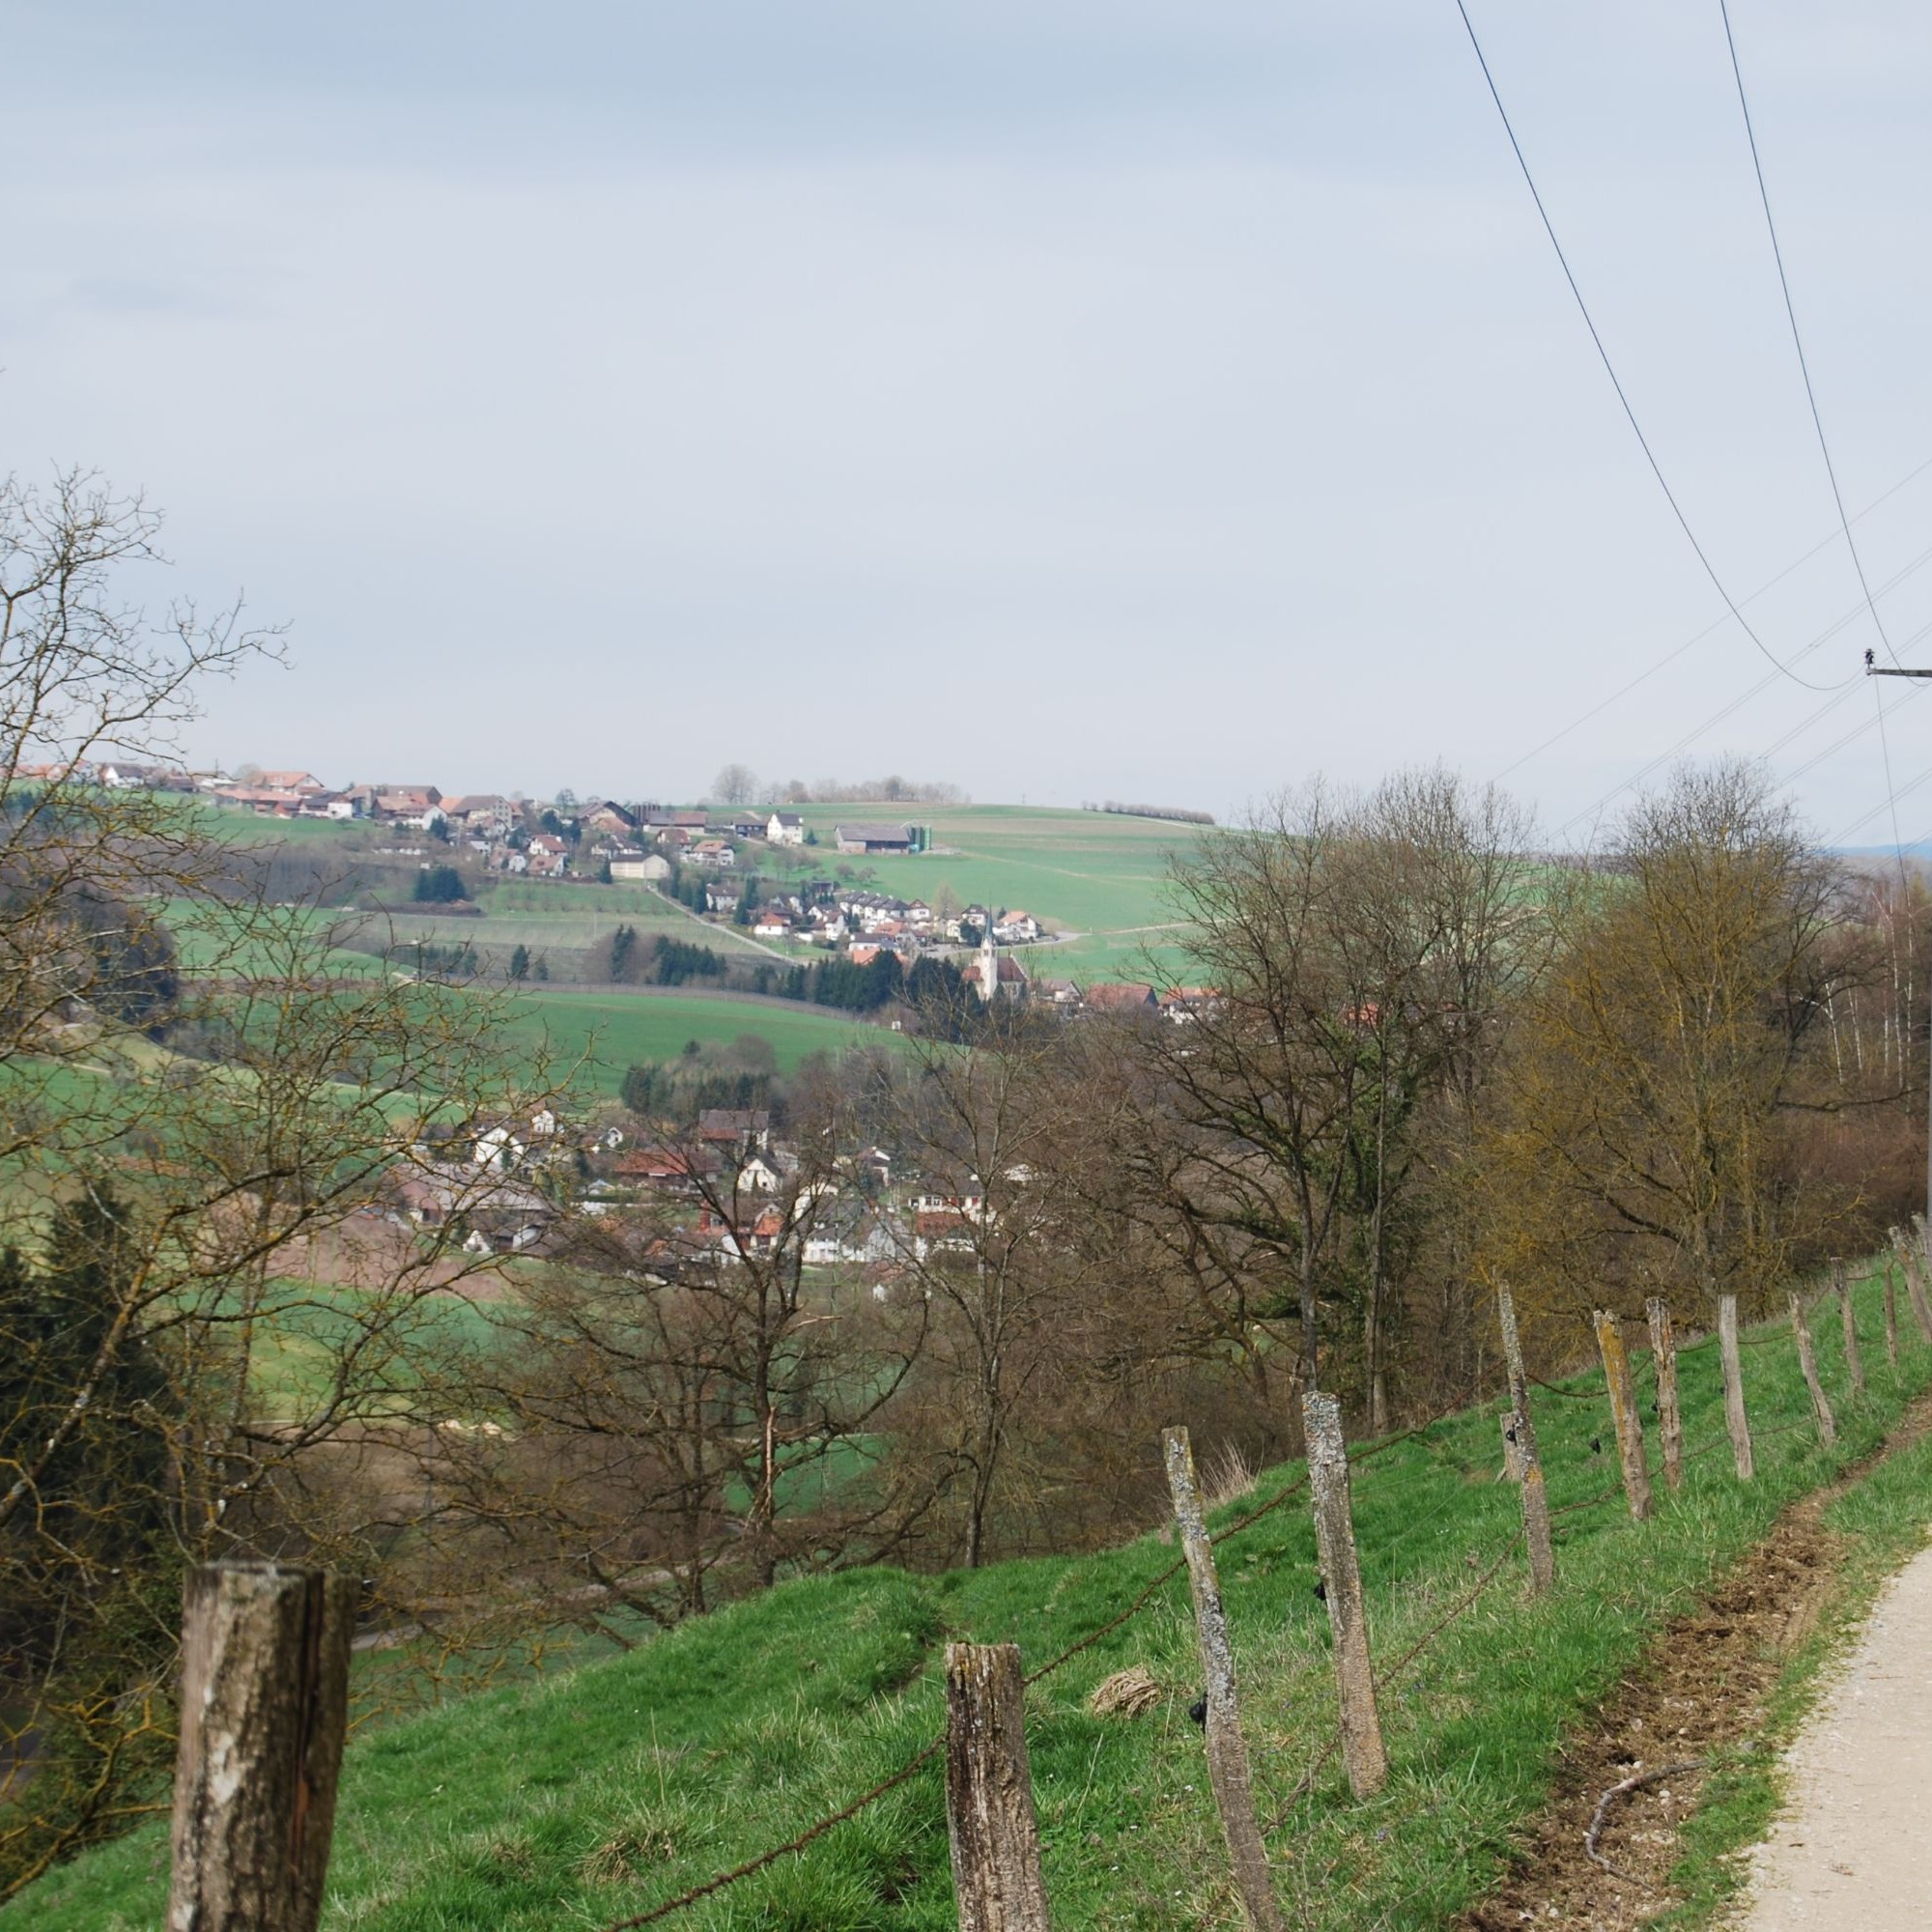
1671, 655
1891, 796
1609, 369
1864, 818
1797, 340
1744, 697
1858, 731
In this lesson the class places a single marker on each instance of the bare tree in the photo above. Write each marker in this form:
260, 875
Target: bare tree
987, 1248
689, 1394
179, 1146
735, 784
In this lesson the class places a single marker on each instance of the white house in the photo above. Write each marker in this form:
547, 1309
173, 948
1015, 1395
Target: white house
648, 868
497, 1148
785, 828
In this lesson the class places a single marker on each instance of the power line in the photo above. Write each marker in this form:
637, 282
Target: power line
1857, 731
1670, 657
1892, 800
1744, 696
1609, 368
1890, 795
1797, 340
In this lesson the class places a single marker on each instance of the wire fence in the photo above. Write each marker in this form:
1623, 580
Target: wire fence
1146, 1597
1332, 1741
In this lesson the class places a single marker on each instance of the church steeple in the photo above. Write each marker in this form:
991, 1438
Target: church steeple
990, 961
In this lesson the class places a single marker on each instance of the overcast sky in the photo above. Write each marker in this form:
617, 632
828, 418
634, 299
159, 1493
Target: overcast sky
1071, 399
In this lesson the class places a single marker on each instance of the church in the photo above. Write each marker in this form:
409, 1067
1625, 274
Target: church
995, 974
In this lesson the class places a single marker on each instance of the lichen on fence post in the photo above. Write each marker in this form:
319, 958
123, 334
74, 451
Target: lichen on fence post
1854, 1365
264, 1711
1737, 1419
989, 1812
1362, 1749
1890, 1287
1226, 1749
1912, 1255
1669, 1415
1512, 1449
1807, 1360
1623, 1415
1535, 1496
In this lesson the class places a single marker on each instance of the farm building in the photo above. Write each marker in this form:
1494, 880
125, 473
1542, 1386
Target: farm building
874, 838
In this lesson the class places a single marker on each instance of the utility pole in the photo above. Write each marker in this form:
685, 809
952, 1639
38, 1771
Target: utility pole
1882, 670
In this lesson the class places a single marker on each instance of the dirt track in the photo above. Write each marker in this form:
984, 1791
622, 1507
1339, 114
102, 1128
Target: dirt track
1701, 1687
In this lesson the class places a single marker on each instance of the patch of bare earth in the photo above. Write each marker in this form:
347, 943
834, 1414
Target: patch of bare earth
1701, 1687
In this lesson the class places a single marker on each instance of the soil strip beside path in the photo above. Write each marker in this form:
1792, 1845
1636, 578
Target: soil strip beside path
1702, 1688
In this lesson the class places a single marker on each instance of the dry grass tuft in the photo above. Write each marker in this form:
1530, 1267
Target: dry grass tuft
1127, 1694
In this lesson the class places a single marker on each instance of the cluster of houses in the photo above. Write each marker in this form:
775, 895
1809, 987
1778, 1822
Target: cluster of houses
865, 923
643, 843
637, 843
726, 1193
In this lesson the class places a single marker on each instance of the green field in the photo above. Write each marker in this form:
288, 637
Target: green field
609, 1031
599, 1792
1085, 870
299, 1349
1099, 876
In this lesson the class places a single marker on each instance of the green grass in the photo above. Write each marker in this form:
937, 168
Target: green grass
1088, 871
611, 1032
588, 1795
1882, 1519
298, 1348
564, 898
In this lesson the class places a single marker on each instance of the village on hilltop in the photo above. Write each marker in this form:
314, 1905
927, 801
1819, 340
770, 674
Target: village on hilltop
708, 859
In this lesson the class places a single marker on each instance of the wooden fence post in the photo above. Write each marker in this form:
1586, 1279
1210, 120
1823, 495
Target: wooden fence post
1821, 1409
1342, 1584
1890, 1291
1535, 1497
1226, 1749
264, 1710
1512, 1448
1737, 1421
989, 1814
1623, 1413
1910, 1256
1854, 1365
1669, 1417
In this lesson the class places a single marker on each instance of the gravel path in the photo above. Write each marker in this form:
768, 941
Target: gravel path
1852, 1848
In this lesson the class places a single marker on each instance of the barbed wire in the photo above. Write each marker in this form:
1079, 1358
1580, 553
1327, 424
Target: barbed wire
696, 1893
1391, 1675
905, 1772
801, 1841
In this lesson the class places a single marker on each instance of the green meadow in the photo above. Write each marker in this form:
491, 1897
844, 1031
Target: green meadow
602, 1034
595, 1792
1084, 870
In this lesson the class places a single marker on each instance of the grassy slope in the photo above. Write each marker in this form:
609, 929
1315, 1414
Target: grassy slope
596, 1793
620, 1030
1090, 871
